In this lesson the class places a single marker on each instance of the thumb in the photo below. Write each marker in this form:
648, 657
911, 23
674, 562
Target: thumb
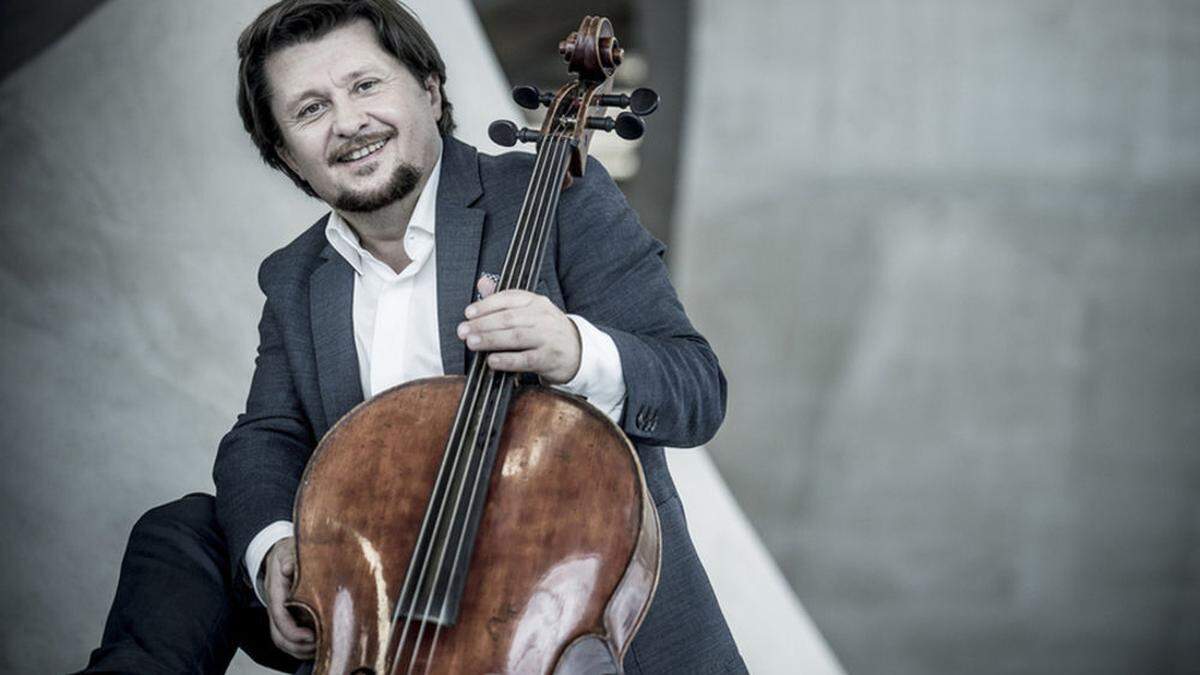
486, 286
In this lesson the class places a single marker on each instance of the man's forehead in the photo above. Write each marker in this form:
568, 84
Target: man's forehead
344, 53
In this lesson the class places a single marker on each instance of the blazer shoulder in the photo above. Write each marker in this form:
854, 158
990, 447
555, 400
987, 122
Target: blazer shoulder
285, 266
506, 172
506, 177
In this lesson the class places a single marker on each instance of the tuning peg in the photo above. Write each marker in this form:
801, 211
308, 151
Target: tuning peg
628, 125
641, 102
529, 97
503, 132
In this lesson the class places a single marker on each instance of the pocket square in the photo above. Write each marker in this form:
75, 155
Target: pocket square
486, 275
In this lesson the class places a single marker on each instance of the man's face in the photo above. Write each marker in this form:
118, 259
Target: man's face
356, 124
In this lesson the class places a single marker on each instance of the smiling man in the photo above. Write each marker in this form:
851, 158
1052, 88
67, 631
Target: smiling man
395, 283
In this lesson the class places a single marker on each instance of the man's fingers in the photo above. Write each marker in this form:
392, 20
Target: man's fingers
292, 630
504, 340
527, 361
500, 321
281, 619
288, 632
486, 286
499, 301
297, 649
286, 624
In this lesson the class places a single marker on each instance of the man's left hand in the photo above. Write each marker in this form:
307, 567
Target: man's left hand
524, 332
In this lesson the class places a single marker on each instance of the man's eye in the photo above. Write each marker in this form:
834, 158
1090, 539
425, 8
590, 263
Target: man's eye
310, 110
367, 85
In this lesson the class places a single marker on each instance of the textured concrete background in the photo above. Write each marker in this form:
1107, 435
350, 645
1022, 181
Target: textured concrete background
949, 253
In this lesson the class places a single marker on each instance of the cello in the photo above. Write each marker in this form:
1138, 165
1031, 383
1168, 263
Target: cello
478, 524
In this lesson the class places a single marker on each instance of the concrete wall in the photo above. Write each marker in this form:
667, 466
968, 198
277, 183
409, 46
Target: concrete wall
949, 253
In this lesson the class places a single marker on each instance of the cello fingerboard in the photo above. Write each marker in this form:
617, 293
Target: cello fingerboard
433, 586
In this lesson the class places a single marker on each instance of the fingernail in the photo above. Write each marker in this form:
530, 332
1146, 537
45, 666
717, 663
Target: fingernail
470, 311
462, 330
473, 340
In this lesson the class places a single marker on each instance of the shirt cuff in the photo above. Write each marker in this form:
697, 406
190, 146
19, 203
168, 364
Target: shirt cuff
258, 548
600, 379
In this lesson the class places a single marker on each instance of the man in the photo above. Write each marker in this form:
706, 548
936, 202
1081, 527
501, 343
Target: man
347, 98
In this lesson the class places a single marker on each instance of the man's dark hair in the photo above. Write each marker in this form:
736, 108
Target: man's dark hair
291, 22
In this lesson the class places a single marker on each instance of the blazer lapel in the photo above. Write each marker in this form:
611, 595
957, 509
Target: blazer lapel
331, 308
457, 236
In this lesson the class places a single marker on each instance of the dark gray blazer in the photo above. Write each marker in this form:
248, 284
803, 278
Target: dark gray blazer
602, 264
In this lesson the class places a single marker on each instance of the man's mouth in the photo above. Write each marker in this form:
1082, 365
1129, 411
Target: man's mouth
362, 151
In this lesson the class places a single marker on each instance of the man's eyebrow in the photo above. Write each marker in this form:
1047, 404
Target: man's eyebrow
295, 100
349, 77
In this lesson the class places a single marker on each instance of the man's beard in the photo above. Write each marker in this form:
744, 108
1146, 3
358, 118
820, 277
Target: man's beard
403, 181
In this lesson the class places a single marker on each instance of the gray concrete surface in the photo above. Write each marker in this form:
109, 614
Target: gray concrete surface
949, 253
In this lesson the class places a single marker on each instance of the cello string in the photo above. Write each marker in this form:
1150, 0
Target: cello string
526, 280
466, 404
472, 379
440, 498
472, 448
480, 470
536, 235
476, 385
429, 510
494, 406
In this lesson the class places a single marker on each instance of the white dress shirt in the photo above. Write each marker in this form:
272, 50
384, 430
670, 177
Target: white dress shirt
396, 332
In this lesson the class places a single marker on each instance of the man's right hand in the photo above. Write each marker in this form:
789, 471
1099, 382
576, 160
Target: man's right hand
279, 568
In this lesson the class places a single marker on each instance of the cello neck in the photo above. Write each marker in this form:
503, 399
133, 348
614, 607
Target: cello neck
523, 263
433, 591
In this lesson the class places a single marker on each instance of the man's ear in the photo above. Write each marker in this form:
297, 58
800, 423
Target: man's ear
433, 85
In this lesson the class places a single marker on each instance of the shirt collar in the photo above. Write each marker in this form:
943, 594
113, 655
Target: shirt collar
345, 240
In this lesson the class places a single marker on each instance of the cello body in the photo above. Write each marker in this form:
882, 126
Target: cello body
564, 566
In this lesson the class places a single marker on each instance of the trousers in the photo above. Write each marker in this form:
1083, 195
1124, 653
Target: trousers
176, 609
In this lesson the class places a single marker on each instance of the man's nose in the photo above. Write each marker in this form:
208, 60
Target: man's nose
349, 119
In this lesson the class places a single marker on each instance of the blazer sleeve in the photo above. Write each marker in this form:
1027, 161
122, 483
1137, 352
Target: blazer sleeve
612, 272
260, 461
